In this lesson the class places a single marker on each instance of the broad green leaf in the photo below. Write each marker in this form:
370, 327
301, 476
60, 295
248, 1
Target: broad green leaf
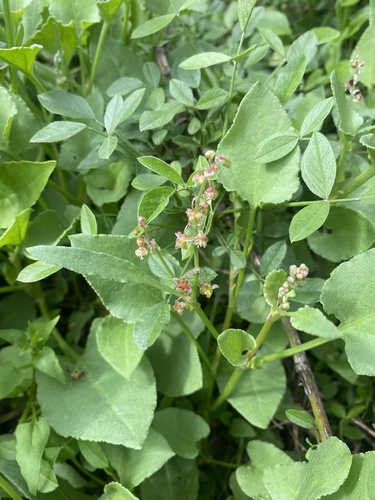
365, 50
144, 182
17, 9
368, 194
273, 257
234, 343
8, 110
135, 465
23, 58
211, 98
304, 45
283, 481
181, 92
58, 131
115, 491
337, 243
308, 220
131, 103
325, 34
319, 166
310, 293
360, 482
56, 38
108, 8
153, 25
126, 301
237, 259
11, 377
315, 117
312, 321
176, 364
349, 295
88, 221
182, 429
204, 60
150, 324
36, 272
244, 10
92, 263
93, 453
60, 102
21, 184
109, 183
273, 40
290, 77
368, 140
161, 168
262, 456
107, 147
275, 147
31, 440
153, 202
244, 54
257, 394
301, 418
124, 85
113, 112
349, 120
123, 408
159, 117
274, 280
251, 179
47, 362
82, 14
116, 344
15, 234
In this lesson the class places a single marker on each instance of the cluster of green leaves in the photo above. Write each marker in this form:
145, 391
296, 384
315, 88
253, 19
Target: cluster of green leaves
107, 109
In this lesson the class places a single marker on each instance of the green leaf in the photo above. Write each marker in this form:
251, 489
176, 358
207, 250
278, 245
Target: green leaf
123, 408
315, 117
211, 98
135, 465
153, 26
124, 85
251, 179
244, 10
336, 244
273, 257
108, 8
131, 103
313, 321
181, 92
116, 344
274, 280
16, 233
21, 184
7, 111
273, 40
275, 147
204, 60
91, 263
115, 491
17, 9
82, 14
349, 120
319, 166
23, 58
237, 259
349, 295
304, 45
233, 343
161, 168
153, 202
144, 182
364, 49
360, 482
47, 362
301, 418
182, 429
88, 221
368, 194
368, 140
113, 112
58, 131
60, 102
308, 220
150, 324
93, 453
107, 147
109, 183
36, 272
161, 116
257, 394
325, 34
31, 438
290, 77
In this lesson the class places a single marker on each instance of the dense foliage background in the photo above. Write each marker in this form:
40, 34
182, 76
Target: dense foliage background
163, 164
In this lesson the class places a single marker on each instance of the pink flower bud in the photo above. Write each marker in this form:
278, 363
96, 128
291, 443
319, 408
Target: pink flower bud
182, 240
210, 155
200, 240
141, 252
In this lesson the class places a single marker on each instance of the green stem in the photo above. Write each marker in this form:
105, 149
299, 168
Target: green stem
7, 487
340, 174
210, 327
125, 22
260, 339
355, 183
99, 49
86, 472
10, 36
292, 351
230, 385
306, 203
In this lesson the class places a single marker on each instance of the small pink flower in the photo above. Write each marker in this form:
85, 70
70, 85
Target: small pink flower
198, 177
200, 240
183, 285
210, 194
141, 252
179, 306
182, 240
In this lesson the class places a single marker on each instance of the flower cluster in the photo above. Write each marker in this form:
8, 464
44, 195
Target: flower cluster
351, 85
184, 286
145, 245
296, 279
